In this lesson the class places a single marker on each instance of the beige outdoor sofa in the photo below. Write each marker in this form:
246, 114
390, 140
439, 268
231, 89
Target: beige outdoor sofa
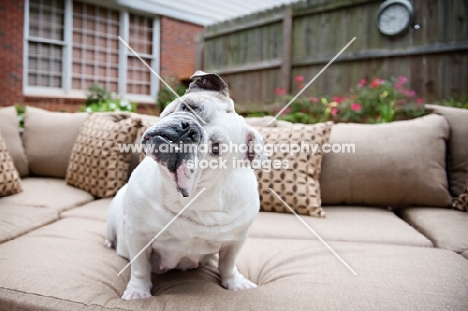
387, 210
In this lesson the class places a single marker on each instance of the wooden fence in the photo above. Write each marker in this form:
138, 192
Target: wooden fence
258, 53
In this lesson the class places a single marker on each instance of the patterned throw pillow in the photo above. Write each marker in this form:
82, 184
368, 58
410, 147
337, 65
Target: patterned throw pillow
146, 124
298, 183
461, 203
9, 177
96, 163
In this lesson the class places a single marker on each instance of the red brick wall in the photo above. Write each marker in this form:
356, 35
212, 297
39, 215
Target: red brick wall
178, 48
11, 51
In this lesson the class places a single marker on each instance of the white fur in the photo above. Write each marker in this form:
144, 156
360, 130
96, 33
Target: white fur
216, 223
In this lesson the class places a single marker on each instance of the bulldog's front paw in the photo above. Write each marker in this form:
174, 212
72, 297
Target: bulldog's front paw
237, 282
137, 291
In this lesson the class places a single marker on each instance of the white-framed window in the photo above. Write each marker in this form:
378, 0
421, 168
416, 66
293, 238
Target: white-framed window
70, 45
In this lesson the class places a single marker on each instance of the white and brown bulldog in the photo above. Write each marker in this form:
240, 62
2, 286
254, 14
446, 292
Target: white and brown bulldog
197, 126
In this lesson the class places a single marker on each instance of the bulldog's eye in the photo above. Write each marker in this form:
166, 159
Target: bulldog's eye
187, 107
215, 149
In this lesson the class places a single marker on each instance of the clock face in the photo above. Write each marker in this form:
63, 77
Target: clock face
394, 17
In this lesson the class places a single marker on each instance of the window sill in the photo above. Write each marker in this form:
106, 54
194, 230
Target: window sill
76, 94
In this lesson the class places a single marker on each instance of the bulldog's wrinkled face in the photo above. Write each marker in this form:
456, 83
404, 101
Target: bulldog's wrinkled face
197, 127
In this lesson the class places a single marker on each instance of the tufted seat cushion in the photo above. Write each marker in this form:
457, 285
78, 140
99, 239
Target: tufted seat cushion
65, 266
51, 193
447, 229
343, 223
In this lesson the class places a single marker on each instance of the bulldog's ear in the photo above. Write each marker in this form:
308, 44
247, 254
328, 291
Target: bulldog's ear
256, 148
203, 81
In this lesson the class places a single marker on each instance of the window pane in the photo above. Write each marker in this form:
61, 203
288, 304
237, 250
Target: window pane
138, 76
141, 40
46, 19
95, 47
45, 65
141, 34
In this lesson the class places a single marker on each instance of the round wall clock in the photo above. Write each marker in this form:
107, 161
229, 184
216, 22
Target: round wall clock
395, 17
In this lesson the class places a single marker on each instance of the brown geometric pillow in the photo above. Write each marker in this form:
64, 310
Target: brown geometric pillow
298, 183
9, 177
146, 124
461, 203
96, 163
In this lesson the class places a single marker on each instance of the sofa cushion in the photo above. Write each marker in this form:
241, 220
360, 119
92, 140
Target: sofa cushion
96, 210
9, 178
465, 254
65, 266
9, 127
457, 146
17, 220
48, 140
395, 164
48, 192
447, 229
97, 165
261, 121
355, 224
147, 122
297, 179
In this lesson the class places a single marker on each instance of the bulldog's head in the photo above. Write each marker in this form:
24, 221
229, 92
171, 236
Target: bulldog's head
196, 127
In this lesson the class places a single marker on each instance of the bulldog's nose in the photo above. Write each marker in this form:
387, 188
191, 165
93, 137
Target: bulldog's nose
184, 132
190, 134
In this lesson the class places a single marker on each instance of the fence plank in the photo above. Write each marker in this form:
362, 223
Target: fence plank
260, 52
287, 55
254, 24
386, 53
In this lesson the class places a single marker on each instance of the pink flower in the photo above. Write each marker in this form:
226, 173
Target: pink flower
420, 101
409, 93
362, 82
314, 99
334, 111
299, 78
402, 79
355, 107
338, 99
280, 91
376, 83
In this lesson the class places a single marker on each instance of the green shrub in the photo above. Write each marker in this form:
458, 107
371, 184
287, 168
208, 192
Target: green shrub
100, 100
20, 110
376, 102
462, 102
166, 96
